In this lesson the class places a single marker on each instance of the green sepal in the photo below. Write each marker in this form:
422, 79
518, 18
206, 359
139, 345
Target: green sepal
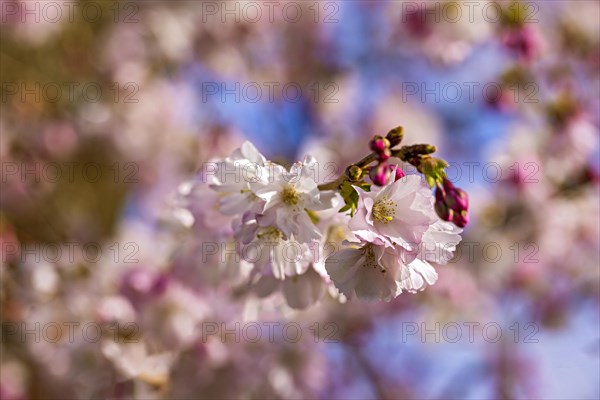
430, 181
433, 169
350, 195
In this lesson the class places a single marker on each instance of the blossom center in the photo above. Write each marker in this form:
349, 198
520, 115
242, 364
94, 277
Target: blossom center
270, 234
290, 196
371, 259
384, 210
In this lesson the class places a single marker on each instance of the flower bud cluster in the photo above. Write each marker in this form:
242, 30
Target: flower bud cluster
452, 203
383, 171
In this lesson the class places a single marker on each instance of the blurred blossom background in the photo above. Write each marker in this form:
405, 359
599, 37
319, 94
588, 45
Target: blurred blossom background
107, 107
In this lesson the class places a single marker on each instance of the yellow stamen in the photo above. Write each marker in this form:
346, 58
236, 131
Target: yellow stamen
290, 196
371, 260
384, 210
271, 234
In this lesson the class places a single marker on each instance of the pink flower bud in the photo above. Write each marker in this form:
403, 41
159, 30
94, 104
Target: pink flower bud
379, 144
399, 174
380, 174
460, 219
457, 200
443, 211
447, 185
385, 155
441, 208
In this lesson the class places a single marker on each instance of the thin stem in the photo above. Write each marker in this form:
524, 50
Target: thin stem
334, 185
367, 160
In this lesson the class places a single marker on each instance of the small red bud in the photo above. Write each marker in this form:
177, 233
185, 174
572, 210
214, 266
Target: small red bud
447, 185
380, 174
440, 206
378, 144
385, 155
457, 199
443, 211
439, 194
460, 219
399, 174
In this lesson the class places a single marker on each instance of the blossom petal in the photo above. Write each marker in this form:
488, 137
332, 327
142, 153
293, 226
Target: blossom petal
304, 290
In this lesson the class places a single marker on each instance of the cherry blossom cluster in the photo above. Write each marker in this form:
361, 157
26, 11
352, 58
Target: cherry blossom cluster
385, 228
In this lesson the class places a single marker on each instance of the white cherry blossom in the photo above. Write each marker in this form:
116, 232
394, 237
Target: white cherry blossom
270, 251
368, 272
377, 271
238, 177
416, 276
300, 291
297, 269
439, 242
396, 214
289, 199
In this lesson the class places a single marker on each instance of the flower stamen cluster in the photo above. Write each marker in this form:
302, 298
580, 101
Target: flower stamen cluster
384, 210
290, 196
